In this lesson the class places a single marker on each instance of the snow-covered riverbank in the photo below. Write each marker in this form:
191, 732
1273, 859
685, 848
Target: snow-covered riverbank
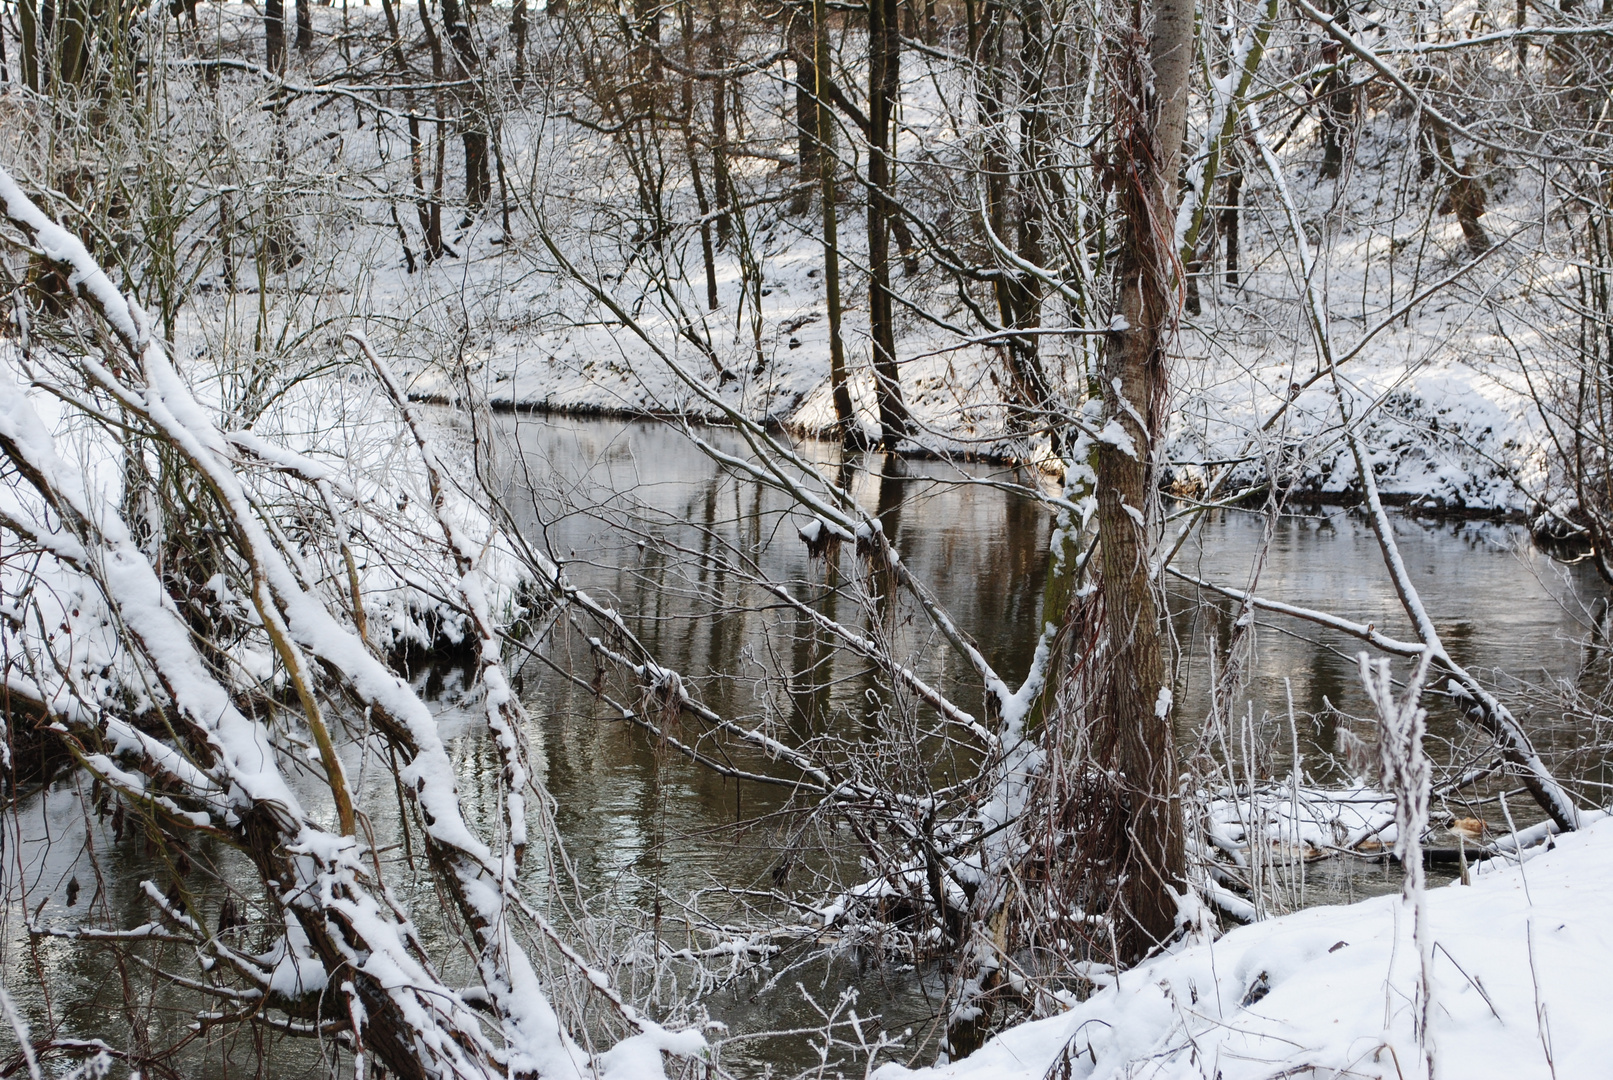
1439, 388
1449, 358
1521, 961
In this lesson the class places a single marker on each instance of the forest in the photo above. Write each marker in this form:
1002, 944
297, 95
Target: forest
792, 539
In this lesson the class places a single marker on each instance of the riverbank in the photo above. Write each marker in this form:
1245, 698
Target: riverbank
1519, 977
1446, 385
1311, 500
1447, 423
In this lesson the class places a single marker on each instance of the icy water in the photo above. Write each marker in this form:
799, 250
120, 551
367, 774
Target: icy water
645, 521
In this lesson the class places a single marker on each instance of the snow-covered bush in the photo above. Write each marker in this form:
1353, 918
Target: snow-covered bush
199, 614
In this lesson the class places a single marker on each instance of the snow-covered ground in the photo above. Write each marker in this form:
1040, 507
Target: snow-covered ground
1520, 990
1439, 385
1447, 413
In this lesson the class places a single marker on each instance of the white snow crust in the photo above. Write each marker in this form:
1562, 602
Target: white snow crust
1520, 965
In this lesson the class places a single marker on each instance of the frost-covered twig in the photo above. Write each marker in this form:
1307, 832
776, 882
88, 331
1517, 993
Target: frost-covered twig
1407, 776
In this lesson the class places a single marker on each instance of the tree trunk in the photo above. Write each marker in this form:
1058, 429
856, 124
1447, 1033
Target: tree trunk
431, 207
305, 26
28, 28
1465, 197
473, 127
425, 211
1018, 295
845, 417
1337, 103
719, 130
802, 55
478, 179
1022, 306
274, 35
75, 23
646, 54
1229, 225
518, 31
1519, 20
884, 58
226, 239
707, 255
1151, 129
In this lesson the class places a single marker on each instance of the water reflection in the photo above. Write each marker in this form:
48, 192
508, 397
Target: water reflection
644, 520
643, 822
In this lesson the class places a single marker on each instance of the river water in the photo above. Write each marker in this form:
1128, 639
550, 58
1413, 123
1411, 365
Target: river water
649, 522
645, 521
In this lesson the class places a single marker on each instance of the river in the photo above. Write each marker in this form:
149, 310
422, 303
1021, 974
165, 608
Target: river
645, 521
646, 515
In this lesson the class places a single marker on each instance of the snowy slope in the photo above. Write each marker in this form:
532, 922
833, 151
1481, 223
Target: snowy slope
1447, 414
1521, 991
1444, 382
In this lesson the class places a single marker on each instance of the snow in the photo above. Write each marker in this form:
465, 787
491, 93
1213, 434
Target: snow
150, 616
1446, 422
1520, 965
1115, 434
637, 1058
1451, 422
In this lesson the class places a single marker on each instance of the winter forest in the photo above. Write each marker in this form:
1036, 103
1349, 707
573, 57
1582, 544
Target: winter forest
726, 539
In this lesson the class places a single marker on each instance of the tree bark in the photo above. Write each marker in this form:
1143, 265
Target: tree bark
845, 417
1337, 104
431, 207
1465, 197
473, 126
884, 81
723, 192
76, 23
28, 28
707, 255
803, 56
1229, 226
274, 35
1020, 294
428, 214
518, 27
1151, 126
